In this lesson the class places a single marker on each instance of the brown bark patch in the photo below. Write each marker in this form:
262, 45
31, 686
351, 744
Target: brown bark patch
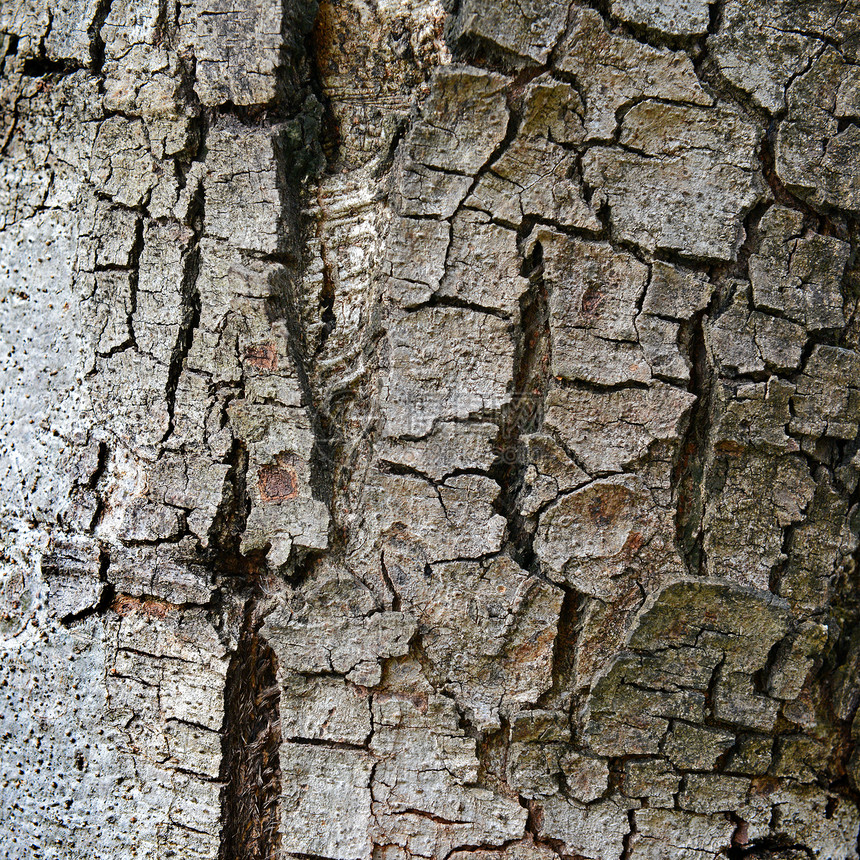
125, 604
263, 356
604, 508
633, 544
278, 483
592, 300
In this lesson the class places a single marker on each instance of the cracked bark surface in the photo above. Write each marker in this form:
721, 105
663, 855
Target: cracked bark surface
430, 430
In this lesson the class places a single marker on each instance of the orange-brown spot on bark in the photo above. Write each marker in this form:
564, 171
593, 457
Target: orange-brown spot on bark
278, 483
633, 544
125, 604
592, 299
535, 818
604, 508
710, 618
763, 786
729, 447
537, 648
262, 355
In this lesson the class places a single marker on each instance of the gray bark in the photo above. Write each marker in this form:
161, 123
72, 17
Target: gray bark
430, 432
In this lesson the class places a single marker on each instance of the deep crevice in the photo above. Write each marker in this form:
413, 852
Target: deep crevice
564, 650
823, 223
97, 45
524, 414
104, 604
251, 767
688, 473
191, 310
40, 67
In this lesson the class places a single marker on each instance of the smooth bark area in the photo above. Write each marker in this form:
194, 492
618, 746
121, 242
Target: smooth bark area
430, 431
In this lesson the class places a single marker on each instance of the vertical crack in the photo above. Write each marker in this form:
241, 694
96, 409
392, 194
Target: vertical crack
191, 311
690, 466
627, 847
134, 281
250, 767
524, 414
564, 650
94, 31
285, 306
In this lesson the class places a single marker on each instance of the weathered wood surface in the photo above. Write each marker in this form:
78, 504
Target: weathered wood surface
429, 432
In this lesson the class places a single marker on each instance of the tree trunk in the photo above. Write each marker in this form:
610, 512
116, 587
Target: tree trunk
430, 433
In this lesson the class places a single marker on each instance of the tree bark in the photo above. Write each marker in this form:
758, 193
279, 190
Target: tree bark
430, 432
